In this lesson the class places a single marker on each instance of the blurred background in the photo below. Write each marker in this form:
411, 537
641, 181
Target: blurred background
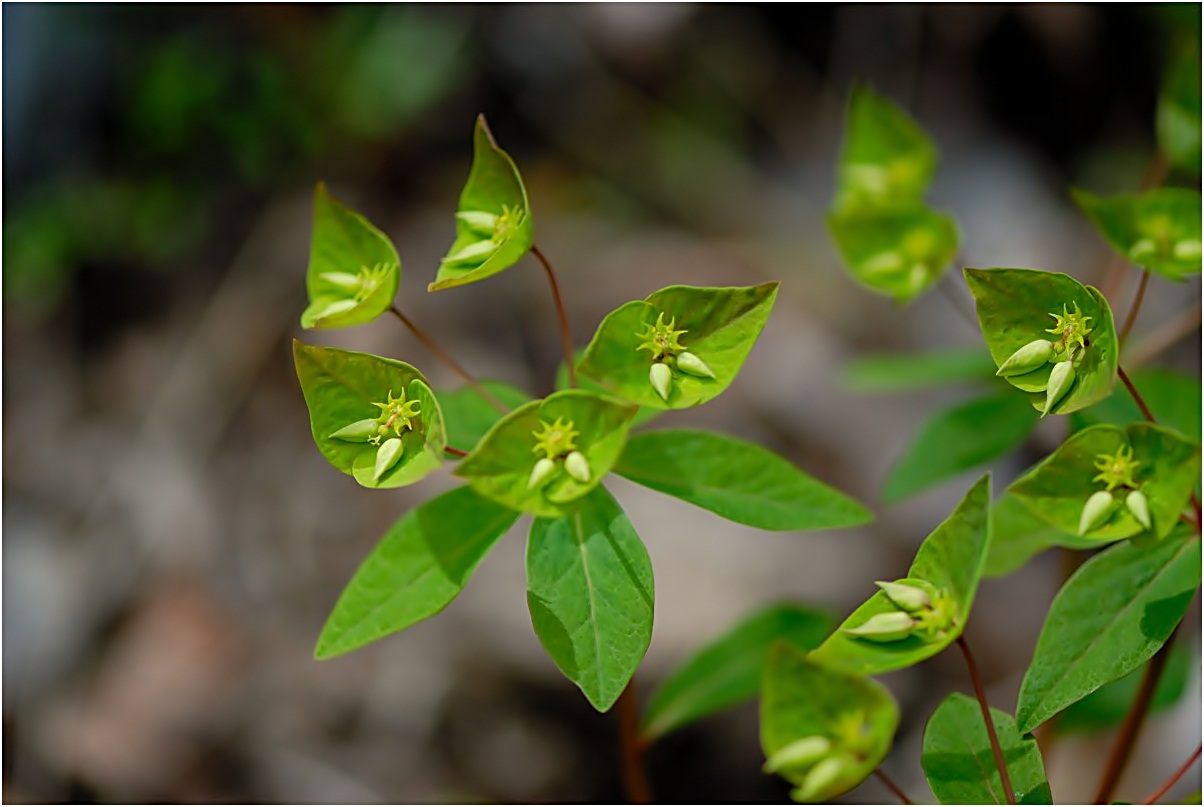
173, 540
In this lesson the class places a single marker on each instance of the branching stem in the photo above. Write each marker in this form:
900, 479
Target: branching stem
1160, 792
981, 694
443, 356
635, 778
566, 334
892, 787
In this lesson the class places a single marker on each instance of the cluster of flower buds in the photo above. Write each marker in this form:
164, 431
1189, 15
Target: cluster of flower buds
396, 416
493, 228
826, 764
668, 352
357, 287
1115, 471
1071, 331
1147, 248
558, 444
923, 613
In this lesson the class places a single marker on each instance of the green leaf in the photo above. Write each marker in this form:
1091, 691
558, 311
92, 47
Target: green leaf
500, 467
1107, 706
1179, 107
1058, 488
469, 416
589, 589
1158, 230
341, 388
346, 245
958, 439
1112, 614
1017, 534
494, 188
900, 252
1016, 307
562, 382
720, 324
420, 565
1173, 398
893, 372
801, 699
960, 764
887, 159
737, 480
949, 562
729, 670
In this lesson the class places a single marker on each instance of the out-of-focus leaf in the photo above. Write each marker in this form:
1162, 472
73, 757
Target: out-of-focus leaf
892, 372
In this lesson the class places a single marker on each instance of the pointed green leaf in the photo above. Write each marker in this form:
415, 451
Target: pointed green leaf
959, 439
590, 592
949, 563
801, 699
960, 764
737, 480
469, 416
494, 187
1058, 488
1107, 706
1017, 306
894, 372
729, 670
1179, 107
720, 324
899, 252
583, 382
1112, 614
1017, 534
345, 244
341, 388
500, 466
887, 159
420, 565
1173, 398
1158, 230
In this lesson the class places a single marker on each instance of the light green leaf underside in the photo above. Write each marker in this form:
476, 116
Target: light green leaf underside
1017, 534
644, 414
900, 252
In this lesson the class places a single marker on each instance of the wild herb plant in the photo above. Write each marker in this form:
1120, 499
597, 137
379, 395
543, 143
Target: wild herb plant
1122, 483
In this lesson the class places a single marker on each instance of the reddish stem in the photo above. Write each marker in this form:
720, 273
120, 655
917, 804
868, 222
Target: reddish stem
981, 694
892, 787
566, 334
631, 744
455, 452
1160, 792
443, 356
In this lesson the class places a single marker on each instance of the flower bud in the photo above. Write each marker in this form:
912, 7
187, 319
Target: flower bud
577, 466
909, 598
476, 251
661, 377
344, 281
1187, 250
1026, 359
1143, 250
357, 432
821, 780
687, 362
541, 473
1060, 381
889, 627
798, 754
386, 457
1096, 511
1139, 507
336, 308
478, 220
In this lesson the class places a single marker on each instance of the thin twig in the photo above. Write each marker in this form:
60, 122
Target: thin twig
1160, 792
892, 787
443, 356
566, 334
455, 452
1132, 317
631, 744
981, 694
1137, 399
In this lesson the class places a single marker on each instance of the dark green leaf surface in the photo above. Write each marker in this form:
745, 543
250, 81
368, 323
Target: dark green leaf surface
1158, 230
959, 439
900, 251
729, 670
420, 565
960, 764
469, 416
737, 480
1113, 613
1017, 534
1179, 107
590, 592
1173, 398
893, 372
887, 159
1107, 706
721, 326
344, 242
340, 387
1014, 308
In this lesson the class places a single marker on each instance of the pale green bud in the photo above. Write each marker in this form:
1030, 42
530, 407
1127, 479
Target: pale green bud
1187, 250
1139, 507
577, 466
478, 220
909, 598
662, 378
1028, 358
358, 432
798, 754
1060, 381
1143, 250
882, 263
343, 280
890, 627
336, 308
541, 473
476, 251
386, 457
1096, 511
687, 362
821, 780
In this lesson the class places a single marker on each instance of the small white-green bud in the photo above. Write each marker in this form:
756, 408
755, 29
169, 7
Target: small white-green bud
662, 378
336, 308
577, 466
386, 457
889, 627
541, 473
820, 780
476, 251
345, 281
909, 598
1060, 380
1187, 250
798, 754
478, 220
1143, 250
1139, 507
687, 362
1028, 358
1096, 511
357, 432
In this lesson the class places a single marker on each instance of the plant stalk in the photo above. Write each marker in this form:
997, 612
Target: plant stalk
455, 452
443, 356
631, 744
1160, 792
566, 334
981, 694
892, 787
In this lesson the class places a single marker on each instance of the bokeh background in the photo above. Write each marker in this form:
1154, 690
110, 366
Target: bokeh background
172, 539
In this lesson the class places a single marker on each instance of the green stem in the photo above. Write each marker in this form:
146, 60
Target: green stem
892, 787
981, 694
1160, 792
631, 744
443, 356
566, 334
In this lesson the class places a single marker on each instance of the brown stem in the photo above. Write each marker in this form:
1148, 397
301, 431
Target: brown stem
981, 694
1160, 792
892, 787
1137, 399
443, 356
455, 452
1132, 317
566, 335
635, 778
